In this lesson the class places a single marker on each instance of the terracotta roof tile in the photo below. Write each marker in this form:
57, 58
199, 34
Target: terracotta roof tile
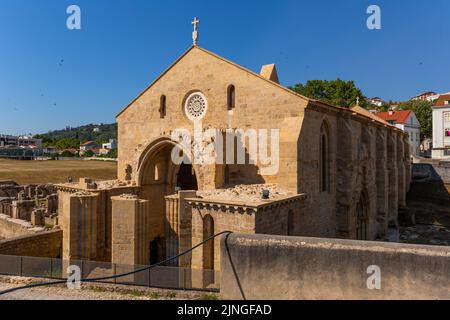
397, 116
87, 143
441, 101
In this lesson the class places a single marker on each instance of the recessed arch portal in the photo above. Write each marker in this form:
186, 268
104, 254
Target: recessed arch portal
158, 177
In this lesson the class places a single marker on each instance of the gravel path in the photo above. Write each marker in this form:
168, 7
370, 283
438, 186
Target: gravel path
91, 292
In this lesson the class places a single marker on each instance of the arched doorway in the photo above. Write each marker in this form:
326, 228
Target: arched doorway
159, 177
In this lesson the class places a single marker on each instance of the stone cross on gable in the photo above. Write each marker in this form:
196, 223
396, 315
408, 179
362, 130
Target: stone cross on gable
195, 37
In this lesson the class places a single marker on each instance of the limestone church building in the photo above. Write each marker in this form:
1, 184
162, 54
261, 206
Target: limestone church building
343, 173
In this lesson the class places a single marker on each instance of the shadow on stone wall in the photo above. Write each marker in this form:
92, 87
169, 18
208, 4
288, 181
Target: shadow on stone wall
426, 220
429, 184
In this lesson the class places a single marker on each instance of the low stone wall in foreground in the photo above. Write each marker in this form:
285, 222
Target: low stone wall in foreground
278, 267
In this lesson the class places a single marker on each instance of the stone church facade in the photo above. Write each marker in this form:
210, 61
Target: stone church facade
343, 173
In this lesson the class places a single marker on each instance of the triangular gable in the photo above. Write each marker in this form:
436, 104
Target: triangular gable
220, 58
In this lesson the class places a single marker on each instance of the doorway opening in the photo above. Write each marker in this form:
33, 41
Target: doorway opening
157, 250
186, 178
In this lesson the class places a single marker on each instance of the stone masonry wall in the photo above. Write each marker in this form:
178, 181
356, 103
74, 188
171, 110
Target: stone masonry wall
45, 245
354, 148
306, 269
11, 228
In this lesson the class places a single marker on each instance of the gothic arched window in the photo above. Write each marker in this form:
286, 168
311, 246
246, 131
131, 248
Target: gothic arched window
163, 107
324, 158
231, 97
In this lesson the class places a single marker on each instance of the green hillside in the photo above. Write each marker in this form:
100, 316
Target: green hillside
72, 137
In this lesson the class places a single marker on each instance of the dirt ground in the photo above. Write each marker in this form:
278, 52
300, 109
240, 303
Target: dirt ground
42, 172
94, 292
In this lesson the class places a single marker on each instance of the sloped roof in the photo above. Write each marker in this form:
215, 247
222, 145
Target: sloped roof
441, 101
397, 116
368, 114
225, 60
315, 101
428, 93
88, 143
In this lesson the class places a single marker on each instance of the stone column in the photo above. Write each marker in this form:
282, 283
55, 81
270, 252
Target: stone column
392, 165
79, 225
345, 182
382, 179
408, 166
130, 236
401, 171
197, 275
172, 227
179, 227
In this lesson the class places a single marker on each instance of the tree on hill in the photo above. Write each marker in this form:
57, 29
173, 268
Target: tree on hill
67, 154
112, 154
88, 154
67, 144
424, 113
337, 92
84, 133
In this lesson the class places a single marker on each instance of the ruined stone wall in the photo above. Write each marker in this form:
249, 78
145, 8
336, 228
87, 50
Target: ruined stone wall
211, 217
11, 228
130, 236
86, 219
45, 245
284, 218
432, 171
224, 219
306, 269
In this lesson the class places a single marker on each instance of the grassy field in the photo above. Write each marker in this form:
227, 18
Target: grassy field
42, 172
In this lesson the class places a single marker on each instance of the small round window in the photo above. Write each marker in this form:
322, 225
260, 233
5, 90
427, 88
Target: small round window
196, 106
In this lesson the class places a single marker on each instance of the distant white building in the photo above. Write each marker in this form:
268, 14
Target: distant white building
111, 145
427, 96
376, 101
441, 128
21, 141
29, 141
89, 146
407, 121
7, 140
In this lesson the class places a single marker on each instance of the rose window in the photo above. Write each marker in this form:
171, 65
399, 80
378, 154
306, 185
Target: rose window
196, 106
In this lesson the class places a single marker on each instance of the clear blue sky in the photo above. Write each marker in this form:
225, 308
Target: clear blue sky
124, 45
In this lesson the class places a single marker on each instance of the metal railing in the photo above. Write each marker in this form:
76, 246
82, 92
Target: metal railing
162, 277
